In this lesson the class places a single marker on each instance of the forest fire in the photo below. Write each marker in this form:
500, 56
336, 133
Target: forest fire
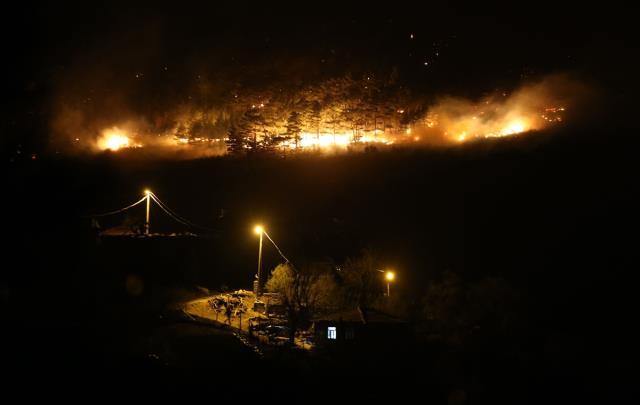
457, 130
475, 129
336, 115
114, 139
326, 140
530, 108
466, 129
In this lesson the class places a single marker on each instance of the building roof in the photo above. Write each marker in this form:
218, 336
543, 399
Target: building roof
129, 231
360, 315
119, 231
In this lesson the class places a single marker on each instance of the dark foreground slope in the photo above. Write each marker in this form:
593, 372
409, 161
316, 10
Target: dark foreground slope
553, 215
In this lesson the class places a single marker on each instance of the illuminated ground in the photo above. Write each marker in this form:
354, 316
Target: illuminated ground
200, 308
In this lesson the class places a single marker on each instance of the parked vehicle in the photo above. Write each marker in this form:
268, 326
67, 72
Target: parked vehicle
278, 331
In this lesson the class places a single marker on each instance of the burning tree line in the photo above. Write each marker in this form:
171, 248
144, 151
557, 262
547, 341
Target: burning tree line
343, 111
338, 111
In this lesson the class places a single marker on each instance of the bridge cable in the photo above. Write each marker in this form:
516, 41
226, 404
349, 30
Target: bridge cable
120, 210
177, 217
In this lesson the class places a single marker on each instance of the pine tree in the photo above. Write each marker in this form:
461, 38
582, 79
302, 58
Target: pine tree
236, 142
249, 125
294, 127
314, 117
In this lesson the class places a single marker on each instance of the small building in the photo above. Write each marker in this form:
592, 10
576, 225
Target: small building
360, 328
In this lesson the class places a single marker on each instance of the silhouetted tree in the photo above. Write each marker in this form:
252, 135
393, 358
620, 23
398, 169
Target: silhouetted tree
250, 124
202, 128
294, 127
236, 141
362, 283
454, 308
314, 118
305, 292
182, 132
444, 302
493, 305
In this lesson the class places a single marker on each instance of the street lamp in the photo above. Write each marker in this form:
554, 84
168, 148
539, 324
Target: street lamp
389, 276
259, 230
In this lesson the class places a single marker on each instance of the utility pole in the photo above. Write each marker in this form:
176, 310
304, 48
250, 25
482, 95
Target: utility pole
146, 223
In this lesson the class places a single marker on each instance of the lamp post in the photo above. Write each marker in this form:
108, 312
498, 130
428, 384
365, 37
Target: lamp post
259, 229
389, 276
258, 288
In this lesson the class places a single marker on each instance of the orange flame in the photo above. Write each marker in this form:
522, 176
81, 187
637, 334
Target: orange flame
115, 139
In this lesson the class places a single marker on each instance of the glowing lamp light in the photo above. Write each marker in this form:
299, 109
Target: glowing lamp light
390, 276
147, 191
258, 229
